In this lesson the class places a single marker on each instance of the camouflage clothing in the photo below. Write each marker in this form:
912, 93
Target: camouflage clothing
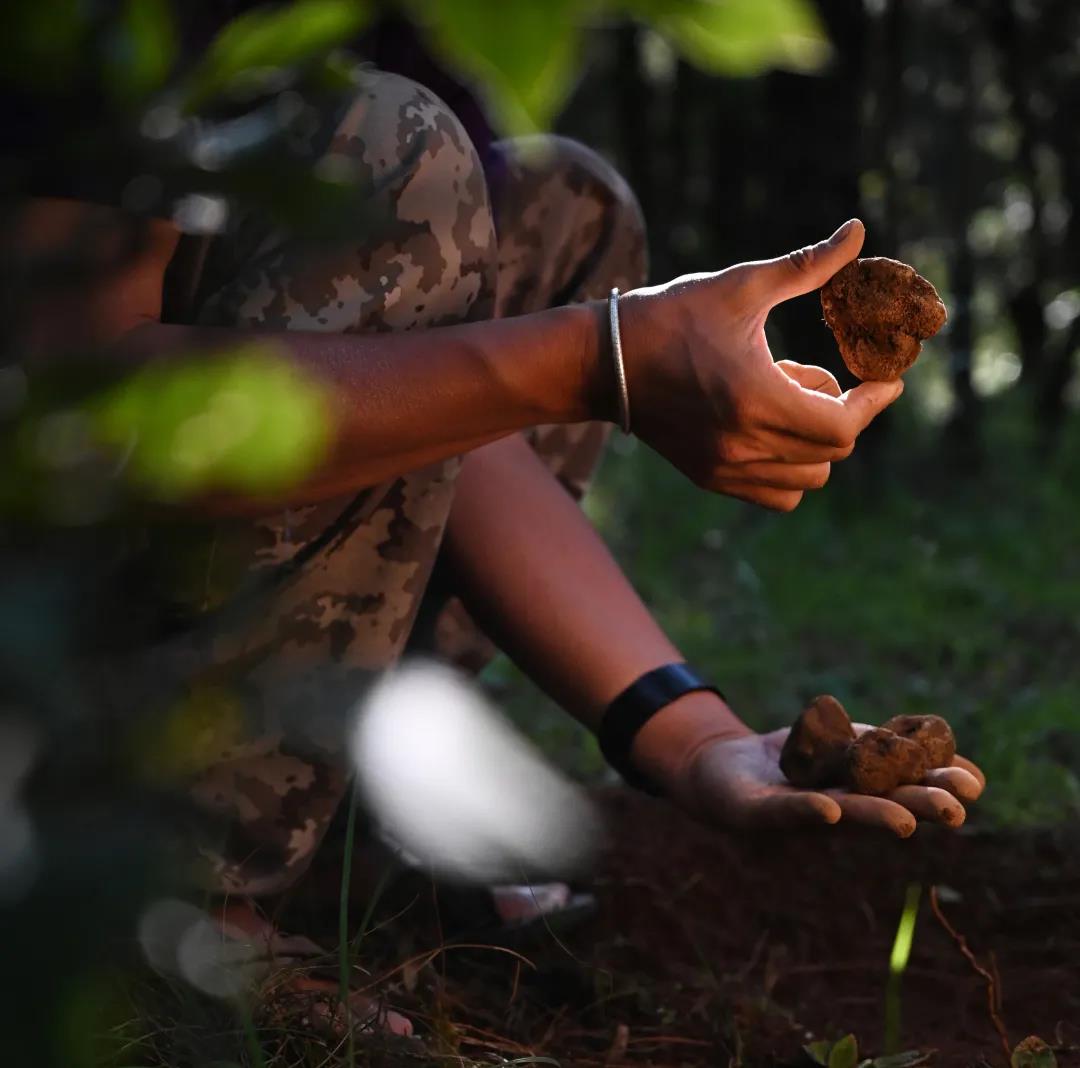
347, 577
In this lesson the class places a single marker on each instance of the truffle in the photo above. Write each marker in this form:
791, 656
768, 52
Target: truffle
931, 732
879, 761
814, 752
880, 312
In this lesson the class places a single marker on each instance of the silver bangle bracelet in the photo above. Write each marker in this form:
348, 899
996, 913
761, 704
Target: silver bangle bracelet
620, 368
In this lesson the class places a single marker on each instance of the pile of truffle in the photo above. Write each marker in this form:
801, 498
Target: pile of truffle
824, 750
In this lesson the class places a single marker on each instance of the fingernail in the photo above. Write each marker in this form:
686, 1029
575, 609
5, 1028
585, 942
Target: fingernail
843, 232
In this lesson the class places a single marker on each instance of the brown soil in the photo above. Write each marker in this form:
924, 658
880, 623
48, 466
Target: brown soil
719, 948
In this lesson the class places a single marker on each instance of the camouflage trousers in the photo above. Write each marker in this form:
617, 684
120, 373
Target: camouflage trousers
542, 222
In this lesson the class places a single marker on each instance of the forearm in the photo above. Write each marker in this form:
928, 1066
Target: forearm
540, 581
397, 402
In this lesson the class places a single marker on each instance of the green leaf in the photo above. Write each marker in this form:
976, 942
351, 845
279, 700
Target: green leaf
245, 421
845, 1053
740, 37
522, 55
818, 1051
255, 47
142, 49
1033, 1052
44, 42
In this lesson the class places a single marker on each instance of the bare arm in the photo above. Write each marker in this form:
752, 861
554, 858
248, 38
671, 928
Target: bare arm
402, 401
704, 389
398, 401
542, 584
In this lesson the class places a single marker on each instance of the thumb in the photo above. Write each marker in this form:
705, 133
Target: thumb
806, 269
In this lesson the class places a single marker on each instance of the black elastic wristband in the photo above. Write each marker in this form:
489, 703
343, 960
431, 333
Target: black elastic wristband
634, 707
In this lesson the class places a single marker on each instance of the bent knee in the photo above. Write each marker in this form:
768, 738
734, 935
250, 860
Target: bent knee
573, 181
395, 125
433, 205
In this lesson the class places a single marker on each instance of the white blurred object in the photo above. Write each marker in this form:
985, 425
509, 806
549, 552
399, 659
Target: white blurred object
180, 939
458, 788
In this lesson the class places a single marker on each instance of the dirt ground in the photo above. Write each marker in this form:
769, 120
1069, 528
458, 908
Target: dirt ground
719, 948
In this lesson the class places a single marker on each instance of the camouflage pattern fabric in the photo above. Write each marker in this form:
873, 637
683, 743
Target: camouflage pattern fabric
565, 228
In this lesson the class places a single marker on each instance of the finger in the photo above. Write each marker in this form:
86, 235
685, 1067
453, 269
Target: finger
876, 812
812, 377
958, 781
780, 475
836, 421
968, 766
785, 448
930, 803
869, 400
777, 500
789, 808
806, 269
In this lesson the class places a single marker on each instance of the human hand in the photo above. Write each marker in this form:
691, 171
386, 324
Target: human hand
706, 394
737, 781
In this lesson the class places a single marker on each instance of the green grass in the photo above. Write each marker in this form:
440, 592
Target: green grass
921, 583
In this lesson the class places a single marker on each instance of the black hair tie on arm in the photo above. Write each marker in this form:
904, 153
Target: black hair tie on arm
634, 707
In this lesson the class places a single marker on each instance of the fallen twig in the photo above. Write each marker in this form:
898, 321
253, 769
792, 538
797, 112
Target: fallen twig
993, 1000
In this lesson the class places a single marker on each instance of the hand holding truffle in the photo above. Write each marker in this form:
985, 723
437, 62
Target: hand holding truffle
824, 749
731, 776
706, 393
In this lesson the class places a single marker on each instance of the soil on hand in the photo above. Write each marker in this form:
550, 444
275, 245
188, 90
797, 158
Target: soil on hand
880, 312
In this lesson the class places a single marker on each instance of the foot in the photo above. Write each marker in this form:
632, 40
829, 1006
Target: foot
290, 992
516, 904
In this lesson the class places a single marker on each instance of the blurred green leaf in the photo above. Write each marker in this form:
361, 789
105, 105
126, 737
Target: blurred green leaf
845, 1053
259, 44
44, 42
522, 55
1033, 1052
142, 50
244, 421
818, 1051
740, 37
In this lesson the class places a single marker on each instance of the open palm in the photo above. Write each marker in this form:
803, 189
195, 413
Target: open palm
739, 782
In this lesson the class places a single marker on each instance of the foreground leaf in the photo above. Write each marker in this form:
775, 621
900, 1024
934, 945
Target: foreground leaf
246, 421
521, 55
740, 37
261, 43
